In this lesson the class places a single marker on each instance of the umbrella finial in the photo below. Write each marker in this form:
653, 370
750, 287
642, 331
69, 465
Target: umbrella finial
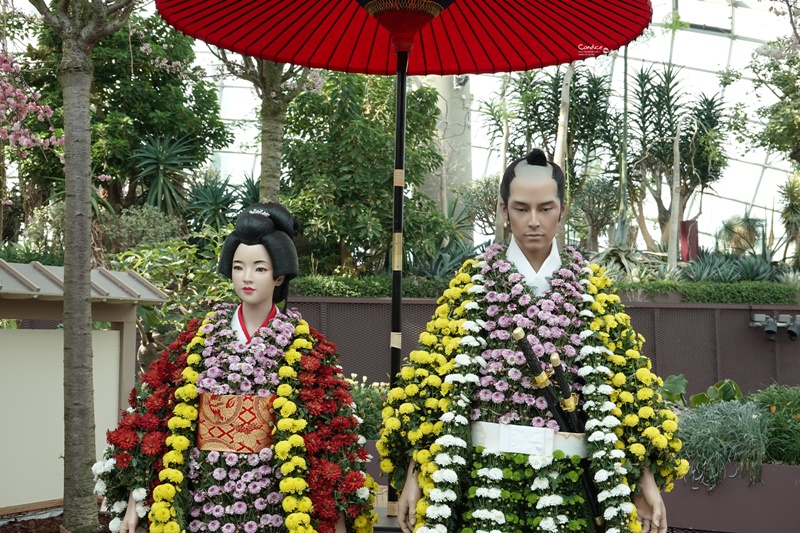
404, 18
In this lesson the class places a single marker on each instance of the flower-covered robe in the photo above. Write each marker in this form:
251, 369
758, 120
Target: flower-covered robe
280, 445
468, 373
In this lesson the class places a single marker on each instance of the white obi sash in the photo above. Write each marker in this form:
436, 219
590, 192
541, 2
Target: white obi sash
527, 439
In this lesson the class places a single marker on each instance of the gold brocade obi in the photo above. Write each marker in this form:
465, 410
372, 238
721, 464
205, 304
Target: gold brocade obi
234, 423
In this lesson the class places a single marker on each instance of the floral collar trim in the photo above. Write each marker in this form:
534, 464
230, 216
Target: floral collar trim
239, 326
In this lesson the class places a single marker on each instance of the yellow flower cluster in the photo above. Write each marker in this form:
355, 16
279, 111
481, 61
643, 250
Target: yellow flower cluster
649, 430
163, 516
289, 447
421, 394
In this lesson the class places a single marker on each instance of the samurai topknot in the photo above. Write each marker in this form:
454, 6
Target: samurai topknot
536, 158
272, 225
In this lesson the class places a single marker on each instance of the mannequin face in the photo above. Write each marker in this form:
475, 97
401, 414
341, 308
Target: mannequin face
533, 211
252, 275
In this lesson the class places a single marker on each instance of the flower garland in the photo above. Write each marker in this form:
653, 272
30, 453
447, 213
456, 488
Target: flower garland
583, 323
131, 463
290, 461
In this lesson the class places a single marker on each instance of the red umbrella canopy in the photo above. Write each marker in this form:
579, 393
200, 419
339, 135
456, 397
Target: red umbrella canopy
466, 37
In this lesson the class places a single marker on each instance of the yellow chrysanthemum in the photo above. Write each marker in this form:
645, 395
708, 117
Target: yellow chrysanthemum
178, 442
177, 422
392, 423
630, 420
669, 425
638, 450
291, 356
193, 359
172, 527
288, 409
190, 375
164, 492
645, 393
407, 373
646, 412
411, 389
302, 328
626, 397
387, 466
173, 457
172, 475
286, 371
407, 408
618, 380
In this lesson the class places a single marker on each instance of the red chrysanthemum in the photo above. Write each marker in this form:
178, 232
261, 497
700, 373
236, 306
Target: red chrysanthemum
340, 423
352, 481
307, 379
154, 403
309, 363
153, 443
149, 422
123, 437
132, 398
342, 396
123, 459
130, 420
327, 470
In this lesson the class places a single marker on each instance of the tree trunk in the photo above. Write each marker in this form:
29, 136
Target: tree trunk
273, 121
675, 202
638, 212
560, 154
80, 503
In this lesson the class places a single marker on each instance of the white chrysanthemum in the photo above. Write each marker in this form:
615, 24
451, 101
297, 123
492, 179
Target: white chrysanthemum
454, 378
461, 420
586, 314
591, 424
606, 389
603, 495
438, 511
585, 334
585, 371
611, 421
442, 459
608, 406
363, 493
439, 495
445, 475
611, 438
487, 492
109, 465
598, 454
562, 519
540, 483
589, 404
471, 305
627, 507
494, 474
447, 417
476, 289
602, 475
469, 325
610, 513
617, 454
362, 440
472, 378
478, 278
597, 436
463, 360
548, 524
100, 487
612, 530
142, 510
359, 419
457, 459
139, 494
588, 298
114, 525
492, 515
619, 469
462, 403
450, 440
97, 469
539, 461
119, 506
621, 490
603, 370
469, 340
589, 389
480, 264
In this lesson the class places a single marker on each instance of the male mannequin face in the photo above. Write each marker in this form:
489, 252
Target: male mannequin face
534, 211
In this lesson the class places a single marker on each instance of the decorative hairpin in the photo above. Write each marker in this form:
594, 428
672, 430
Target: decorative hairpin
258, 212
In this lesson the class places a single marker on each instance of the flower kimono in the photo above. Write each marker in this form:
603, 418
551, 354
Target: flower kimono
227, 436
468, 410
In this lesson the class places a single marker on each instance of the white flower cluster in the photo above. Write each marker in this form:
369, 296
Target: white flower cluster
436, 512
539, 461
494, 474
492, 493
550, 500
450, 416
439, 495
438, 528
492, 515
445, 475
103, 466
540, 483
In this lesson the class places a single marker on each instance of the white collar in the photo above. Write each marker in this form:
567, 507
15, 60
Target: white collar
237, 328
536, 280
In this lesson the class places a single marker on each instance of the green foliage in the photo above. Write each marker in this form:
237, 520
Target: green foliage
743, 292
715, 434
711, 267
369, 400
365, 286
145, 82
755, 268
480, 201
248, 193
782, 407
211, 203
184, 269
140, 225
722, 391
443, 263
162, 164
338, 178
674, 389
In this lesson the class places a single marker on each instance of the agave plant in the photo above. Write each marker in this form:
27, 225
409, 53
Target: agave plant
755, 268
249, 192
211, 203
163, 165
709, 267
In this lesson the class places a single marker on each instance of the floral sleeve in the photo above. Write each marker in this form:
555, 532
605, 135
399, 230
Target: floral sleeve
622, 400
423, 393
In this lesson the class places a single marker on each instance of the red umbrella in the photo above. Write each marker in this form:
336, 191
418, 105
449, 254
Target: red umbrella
442, 37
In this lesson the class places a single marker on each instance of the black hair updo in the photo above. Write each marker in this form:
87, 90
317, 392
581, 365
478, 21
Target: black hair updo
536, 157
272, 225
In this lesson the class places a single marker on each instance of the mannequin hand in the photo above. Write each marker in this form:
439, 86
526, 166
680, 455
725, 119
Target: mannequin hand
407, 502
131, 520
650, 506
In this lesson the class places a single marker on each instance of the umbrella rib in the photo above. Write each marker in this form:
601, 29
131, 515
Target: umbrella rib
466, 44
291, 5
505, 38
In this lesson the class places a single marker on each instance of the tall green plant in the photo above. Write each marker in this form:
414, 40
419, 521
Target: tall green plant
211, 202
163, 165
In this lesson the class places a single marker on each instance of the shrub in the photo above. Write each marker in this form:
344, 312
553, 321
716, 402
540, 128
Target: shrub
365, 286
369, 400
140, 225
781, 404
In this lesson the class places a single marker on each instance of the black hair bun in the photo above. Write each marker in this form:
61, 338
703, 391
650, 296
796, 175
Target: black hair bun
537, 157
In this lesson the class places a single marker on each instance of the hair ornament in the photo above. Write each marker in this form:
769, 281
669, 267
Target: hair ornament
258, 212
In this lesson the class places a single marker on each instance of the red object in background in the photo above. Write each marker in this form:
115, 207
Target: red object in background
690, 250
468, 37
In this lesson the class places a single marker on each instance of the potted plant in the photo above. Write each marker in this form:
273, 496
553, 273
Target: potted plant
744, 453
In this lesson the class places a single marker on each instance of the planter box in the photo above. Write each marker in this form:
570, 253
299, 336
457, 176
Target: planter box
772, 505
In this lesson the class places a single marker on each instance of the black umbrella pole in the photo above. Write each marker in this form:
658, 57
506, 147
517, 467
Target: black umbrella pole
397, 219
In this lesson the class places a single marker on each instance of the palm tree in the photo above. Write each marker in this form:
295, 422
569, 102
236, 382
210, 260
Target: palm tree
790, 213
741, 233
